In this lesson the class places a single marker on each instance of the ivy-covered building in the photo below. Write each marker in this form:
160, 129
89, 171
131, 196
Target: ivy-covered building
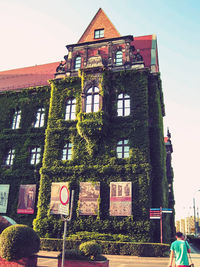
97, 118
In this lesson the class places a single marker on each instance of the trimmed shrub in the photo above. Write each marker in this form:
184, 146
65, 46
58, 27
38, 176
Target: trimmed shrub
18, 241
91, 249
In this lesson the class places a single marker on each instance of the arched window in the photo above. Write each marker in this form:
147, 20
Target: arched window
40, 118
77, 64
123, 105
92, 100
119, 58
123, 149
16, 119
67, 152
70, 110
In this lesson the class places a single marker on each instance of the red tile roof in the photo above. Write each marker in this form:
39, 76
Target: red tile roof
145, 44
38, 75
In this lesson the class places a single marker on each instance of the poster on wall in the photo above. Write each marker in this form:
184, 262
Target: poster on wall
59, 203
26, 200
88, 198
120, 198
4, 191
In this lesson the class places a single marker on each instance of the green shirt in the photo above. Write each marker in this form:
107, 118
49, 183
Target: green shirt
180, 248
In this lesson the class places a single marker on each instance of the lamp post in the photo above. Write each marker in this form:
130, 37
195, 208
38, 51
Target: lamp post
195, 227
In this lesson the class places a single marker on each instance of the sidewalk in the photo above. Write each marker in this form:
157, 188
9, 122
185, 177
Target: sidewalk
49, 259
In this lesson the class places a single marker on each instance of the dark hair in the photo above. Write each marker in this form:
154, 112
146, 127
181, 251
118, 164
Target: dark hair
179, 234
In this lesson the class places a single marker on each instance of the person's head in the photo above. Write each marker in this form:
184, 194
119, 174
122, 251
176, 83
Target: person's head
179, 235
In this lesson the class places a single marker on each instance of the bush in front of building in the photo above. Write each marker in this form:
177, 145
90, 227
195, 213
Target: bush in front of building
18, 241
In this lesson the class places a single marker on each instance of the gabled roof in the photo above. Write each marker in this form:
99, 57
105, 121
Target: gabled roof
100, 21
38, 75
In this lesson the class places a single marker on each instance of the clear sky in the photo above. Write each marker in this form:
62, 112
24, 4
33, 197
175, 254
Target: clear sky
37, 31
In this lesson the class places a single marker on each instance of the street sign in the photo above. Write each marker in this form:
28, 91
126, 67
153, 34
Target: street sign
64, 200
59, 203
164, 210
155, 214
64, 195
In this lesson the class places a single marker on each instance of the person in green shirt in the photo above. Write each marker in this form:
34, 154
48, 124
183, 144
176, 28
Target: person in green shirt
179, 250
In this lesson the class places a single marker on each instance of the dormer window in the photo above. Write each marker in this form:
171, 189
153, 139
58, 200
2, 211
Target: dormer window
98, 33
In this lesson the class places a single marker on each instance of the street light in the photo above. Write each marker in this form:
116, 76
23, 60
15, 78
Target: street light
195, 226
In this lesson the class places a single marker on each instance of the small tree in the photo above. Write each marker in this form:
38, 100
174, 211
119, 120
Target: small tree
18, 241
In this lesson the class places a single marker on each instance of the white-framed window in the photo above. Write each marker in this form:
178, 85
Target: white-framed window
35, 155
92, 100
67, 152
123, 149
16, 119
77, 64
70, 109
40, 118
10, 157
119, 58
99, 33
123, 105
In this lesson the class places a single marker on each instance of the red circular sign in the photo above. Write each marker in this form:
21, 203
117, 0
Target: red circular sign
64, 195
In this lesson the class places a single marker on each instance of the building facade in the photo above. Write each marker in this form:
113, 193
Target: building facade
97, 125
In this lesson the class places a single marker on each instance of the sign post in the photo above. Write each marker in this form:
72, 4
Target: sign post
157, 214
64, 200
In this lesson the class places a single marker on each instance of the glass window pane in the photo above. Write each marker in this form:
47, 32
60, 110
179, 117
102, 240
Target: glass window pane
126, 155
119, 104
119, 149
89, 91
96, 89
126, 149
119, 143
42, 120
89, 99
125, 141
88, 108
96, 108
119, 112
127, 112
96, 99
127, 103
119, 155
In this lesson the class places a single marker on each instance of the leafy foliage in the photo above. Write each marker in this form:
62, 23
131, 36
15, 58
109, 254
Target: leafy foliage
18, 241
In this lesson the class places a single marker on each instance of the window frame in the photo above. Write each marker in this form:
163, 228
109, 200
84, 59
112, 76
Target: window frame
10, 157
99, 33
71, 115
91, 107
67, 151
124, 99
119, 58
77, 65
40, 118
16, 119
123, 144
34, 159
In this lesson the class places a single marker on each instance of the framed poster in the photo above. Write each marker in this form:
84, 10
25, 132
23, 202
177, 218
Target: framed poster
59, 203
120, 198
4, 191
88, 198
26, 200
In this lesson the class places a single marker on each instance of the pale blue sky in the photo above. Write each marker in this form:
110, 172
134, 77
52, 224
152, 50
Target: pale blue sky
37, 31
